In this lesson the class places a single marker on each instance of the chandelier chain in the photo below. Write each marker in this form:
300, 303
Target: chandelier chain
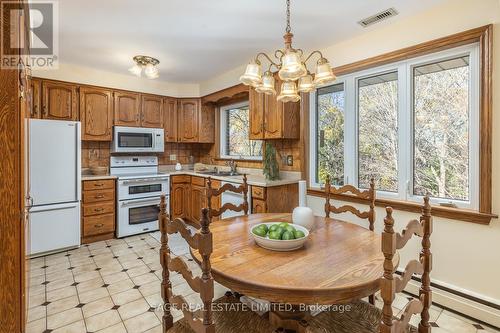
288, 27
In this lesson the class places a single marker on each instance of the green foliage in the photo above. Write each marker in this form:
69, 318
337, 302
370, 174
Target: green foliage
271, 168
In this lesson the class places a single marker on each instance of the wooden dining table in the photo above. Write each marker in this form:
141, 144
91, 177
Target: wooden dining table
339, 263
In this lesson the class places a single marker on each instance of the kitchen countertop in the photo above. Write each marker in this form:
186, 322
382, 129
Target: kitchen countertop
252, 179
255, 180
98, 177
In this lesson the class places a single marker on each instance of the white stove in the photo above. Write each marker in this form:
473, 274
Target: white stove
139, 188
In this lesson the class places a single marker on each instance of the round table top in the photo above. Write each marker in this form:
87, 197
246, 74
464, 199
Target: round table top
340, 262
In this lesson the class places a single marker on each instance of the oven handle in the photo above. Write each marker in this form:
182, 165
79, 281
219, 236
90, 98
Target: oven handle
141, 180
133, 202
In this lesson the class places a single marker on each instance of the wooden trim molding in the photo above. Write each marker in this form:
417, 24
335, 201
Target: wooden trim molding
228, 95
484, 36
465, 215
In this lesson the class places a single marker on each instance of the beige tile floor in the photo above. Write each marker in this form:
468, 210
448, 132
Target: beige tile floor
114, 286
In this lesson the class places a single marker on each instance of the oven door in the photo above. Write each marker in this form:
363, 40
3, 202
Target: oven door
142, 187
138, 216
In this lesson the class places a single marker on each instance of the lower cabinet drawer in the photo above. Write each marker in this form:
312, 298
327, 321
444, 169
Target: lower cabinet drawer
258, 206
98, 208
98, 196
258, 192
99, 224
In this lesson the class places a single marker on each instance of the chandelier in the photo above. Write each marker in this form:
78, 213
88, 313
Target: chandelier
292, 70
148, 64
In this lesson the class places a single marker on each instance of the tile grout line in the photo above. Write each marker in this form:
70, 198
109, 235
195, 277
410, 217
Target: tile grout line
76, 290
114, 255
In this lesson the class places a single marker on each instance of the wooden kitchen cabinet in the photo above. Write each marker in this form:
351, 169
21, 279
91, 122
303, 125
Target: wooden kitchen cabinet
152, 111
35, 98
98, 210
59, 101
96, 113
170, 119
275, 199
188, 117
198, 201
127, 109
180, 196
256, 116
270, 119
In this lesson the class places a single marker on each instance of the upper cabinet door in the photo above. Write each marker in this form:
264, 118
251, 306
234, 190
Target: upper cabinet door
188, 119
59, 101
207, 124
273, 117
170, 119
152, 111
35, 98
127, 109
256, 110
96, 114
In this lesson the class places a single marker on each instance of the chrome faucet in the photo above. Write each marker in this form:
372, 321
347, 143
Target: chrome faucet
232, 165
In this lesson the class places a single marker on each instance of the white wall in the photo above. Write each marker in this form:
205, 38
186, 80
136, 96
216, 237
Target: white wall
87, 75
466, 255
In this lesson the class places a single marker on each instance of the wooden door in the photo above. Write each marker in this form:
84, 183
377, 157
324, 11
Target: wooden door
35, 98
127, 109
170, 119
272, 117
188, 119
207, 124
96, 113
59, 101
179, 205
152, 111
256, 110
198, 200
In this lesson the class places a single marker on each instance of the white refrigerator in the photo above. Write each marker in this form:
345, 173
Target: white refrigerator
55, 181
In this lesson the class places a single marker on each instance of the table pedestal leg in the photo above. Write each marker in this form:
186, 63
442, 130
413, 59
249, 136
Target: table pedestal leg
294, 319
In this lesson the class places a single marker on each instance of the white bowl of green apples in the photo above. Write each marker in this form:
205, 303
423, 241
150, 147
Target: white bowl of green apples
279, 236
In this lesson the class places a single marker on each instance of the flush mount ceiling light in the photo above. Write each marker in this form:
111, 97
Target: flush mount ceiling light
292, 70
148, 64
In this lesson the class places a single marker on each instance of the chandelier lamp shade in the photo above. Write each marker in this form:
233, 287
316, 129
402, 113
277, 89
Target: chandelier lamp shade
291, 66
146, 63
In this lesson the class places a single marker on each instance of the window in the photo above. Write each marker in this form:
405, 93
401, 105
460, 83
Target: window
235, 127
412, 125
330, 141
378, 131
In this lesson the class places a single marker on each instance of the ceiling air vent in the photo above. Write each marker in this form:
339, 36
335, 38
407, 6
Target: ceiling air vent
378, 17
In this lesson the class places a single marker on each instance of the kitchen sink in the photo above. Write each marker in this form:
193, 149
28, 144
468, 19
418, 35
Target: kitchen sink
220, 173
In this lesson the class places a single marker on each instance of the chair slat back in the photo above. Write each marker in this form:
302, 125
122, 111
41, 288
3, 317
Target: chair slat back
367, 195
392, 283
201, 240
211, 192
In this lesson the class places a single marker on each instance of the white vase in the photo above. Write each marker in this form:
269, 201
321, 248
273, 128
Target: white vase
303, 216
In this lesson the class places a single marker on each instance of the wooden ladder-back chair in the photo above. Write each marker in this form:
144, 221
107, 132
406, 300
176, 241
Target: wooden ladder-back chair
203, 320
366, 318
392, 284
368, 195
211, 192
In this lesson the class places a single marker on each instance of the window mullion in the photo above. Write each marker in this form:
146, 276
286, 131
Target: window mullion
350, 133
405, 132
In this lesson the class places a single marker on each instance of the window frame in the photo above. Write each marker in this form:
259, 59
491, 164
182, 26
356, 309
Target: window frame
404, 69
222, 133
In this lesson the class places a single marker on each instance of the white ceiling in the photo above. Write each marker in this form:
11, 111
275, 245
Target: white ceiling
198, 39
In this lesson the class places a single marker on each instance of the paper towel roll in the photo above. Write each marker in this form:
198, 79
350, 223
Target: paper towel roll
302, 193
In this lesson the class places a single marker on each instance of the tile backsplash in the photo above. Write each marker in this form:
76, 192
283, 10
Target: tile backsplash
95, 153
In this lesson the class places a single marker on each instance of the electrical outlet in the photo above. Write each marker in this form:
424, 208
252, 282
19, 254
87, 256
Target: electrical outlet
173, 157
289, 160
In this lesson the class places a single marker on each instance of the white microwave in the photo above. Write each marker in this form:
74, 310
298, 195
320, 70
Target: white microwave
137, 140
